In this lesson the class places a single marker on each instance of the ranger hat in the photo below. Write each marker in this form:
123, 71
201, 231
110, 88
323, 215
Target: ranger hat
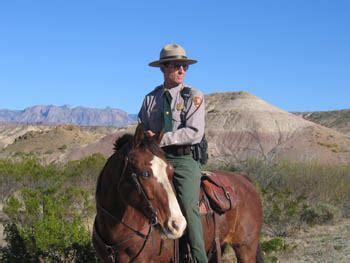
172, 52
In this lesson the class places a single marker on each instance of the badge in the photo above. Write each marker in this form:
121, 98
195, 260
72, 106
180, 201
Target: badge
179, 106
197, 100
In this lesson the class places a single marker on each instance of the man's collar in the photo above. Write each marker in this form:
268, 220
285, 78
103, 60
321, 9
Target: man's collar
174, 89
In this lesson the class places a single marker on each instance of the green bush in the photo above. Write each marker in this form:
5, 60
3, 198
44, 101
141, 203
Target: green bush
49, 208
282, 211
49, 225
273, 245
316, 183
84, 172
29, 172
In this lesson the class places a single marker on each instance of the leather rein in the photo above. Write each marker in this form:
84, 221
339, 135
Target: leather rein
153, 220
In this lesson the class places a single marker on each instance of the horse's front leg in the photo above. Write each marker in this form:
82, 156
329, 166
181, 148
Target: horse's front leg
246, 254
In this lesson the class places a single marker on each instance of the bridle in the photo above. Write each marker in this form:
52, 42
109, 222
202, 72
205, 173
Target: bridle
153, 220
136, 179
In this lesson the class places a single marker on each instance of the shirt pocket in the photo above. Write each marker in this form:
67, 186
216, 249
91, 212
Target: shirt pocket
176, 115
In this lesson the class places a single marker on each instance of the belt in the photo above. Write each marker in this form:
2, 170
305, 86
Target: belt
178, 150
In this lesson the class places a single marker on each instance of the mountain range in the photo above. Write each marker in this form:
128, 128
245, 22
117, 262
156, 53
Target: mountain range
49, 114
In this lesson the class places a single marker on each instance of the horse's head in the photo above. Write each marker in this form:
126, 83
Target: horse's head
146, 184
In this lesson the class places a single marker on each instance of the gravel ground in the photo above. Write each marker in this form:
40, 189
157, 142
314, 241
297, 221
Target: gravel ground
324, 243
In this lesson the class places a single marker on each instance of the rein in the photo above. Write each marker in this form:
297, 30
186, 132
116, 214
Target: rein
113, 249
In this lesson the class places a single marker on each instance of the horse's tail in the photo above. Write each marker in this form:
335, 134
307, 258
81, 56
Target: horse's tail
259, 255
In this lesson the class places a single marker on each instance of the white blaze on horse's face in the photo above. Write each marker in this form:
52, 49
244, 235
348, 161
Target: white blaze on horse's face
177, 223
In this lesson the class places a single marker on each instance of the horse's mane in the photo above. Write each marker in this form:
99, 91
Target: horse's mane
148, 143
153, 146
126, 139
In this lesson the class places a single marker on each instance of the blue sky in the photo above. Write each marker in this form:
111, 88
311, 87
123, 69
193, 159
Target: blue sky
292, 54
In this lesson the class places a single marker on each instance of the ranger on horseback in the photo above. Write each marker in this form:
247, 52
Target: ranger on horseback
179, 111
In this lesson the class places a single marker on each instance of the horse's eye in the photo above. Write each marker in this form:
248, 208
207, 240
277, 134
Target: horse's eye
145, 174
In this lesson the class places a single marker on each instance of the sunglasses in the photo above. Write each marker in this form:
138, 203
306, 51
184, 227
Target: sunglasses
177, 66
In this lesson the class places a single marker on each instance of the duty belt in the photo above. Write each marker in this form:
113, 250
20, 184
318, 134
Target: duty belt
178, 150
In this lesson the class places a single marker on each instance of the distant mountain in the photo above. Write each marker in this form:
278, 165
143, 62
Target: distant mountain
49, 114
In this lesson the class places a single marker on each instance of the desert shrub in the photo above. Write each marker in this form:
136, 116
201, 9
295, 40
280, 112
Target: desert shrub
28, 172
320, 214
48, 225
282, 211
317, 183
321, 183
84, 172
273, 245
49, 208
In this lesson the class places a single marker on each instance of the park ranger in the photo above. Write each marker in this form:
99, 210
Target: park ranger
179, 110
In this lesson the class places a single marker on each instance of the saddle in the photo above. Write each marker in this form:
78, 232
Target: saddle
217, 194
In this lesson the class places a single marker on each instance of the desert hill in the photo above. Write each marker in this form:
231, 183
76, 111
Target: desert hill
337, 119
47, 142
239, 126
10, 131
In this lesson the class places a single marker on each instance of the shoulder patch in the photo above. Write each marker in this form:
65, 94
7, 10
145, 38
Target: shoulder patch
197, 100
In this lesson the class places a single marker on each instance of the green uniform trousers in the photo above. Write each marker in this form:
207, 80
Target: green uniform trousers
187, 185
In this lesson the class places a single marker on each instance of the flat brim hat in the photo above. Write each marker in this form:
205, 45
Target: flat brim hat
172, 52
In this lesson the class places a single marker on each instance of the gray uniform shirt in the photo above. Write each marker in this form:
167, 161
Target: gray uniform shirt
151, 115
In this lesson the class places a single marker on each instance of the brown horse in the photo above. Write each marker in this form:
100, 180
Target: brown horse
138, 215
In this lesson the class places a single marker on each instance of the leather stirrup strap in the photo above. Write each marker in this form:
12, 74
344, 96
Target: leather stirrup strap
217, 238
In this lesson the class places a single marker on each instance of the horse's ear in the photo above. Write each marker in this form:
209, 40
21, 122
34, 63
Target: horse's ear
159, 136
139, 135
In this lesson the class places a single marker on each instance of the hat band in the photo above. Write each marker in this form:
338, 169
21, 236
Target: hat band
178, 57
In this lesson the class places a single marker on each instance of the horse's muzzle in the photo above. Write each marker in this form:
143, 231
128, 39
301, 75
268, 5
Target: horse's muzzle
175, 227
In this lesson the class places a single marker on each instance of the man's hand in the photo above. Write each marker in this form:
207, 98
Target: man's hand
149, 133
